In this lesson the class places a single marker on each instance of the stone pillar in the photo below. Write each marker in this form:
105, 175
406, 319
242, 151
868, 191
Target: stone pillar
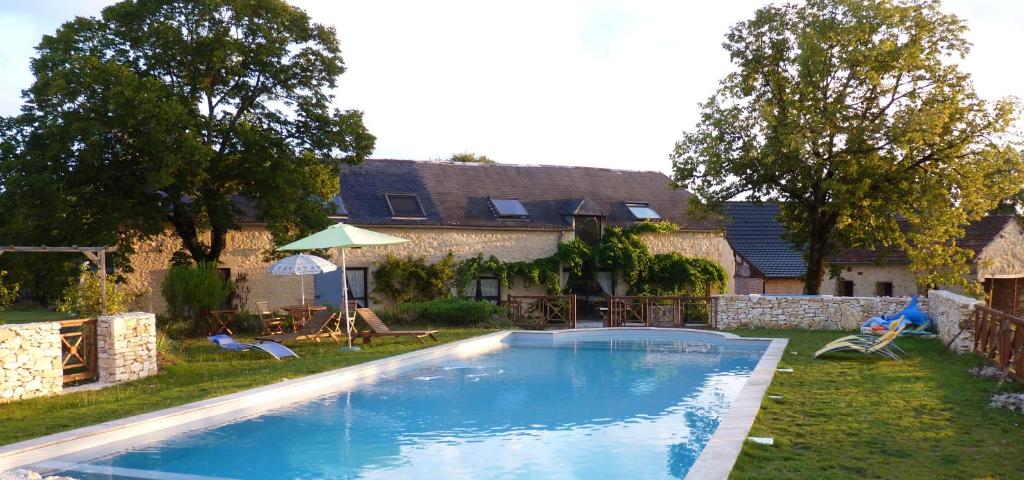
30, 363
950, 312
126, 346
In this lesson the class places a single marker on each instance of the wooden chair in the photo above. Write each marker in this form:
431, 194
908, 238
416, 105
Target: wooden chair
379, 329
272, 324
322, 324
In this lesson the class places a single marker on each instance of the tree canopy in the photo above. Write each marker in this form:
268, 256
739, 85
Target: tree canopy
467, 157
192, 114
855, 117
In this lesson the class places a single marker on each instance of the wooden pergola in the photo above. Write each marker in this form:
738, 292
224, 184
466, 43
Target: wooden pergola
96, 255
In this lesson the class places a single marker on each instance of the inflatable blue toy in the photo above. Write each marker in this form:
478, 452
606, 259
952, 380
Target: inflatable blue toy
912, 316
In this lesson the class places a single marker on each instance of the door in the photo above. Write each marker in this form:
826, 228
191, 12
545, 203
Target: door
327, 287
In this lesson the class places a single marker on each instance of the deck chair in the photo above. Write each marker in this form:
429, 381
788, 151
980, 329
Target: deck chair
379, 329
322, 324
272, 324
869, 339
226, 342
880, 346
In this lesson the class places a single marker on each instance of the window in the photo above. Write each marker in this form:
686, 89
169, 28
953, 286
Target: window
642, 211
405, 206
883, 289
484, 288
340, 211
845, 288
356, 282
509, 209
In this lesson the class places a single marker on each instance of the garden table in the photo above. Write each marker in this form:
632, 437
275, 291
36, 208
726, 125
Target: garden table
220, 321
301, 313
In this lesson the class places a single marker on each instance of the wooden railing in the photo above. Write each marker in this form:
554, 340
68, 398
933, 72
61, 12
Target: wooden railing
999, 337
537, 312
78, 349
651, 311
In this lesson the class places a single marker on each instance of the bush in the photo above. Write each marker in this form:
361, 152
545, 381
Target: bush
454, 312
8, 293
83, 298
189, 291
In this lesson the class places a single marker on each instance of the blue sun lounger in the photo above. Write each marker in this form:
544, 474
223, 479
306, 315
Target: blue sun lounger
276, 350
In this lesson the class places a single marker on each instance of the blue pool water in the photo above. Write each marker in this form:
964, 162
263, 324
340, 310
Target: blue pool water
595, 408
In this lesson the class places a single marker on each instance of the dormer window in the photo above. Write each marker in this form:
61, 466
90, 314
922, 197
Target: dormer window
405, 206
509, 209
340, 211
642, 211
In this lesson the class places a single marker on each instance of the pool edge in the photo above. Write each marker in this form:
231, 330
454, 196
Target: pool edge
719, 455
27, 452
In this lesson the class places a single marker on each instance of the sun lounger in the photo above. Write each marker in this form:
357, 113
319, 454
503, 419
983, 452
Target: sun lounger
322, 324
379, 329
880, 345
275, 350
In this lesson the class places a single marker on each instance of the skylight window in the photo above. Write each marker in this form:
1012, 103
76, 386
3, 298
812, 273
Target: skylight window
404, 205
340, 210
509, 208
642, 211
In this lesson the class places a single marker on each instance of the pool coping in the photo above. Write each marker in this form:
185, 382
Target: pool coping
720, 453
715, 461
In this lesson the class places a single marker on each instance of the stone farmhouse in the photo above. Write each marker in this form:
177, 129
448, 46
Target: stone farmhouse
514, 212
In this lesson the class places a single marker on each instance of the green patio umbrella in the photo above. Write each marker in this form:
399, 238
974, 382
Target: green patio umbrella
342, 236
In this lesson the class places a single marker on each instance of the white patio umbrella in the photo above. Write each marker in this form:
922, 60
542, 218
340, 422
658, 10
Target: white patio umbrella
301, 265
343, 236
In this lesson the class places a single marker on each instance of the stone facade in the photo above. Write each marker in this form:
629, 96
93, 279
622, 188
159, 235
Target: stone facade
126, 346
245, 249
949, 311
30, 361
866, 279
815, 313
1003, 257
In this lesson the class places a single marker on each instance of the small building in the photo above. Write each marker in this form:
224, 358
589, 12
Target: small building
765, 262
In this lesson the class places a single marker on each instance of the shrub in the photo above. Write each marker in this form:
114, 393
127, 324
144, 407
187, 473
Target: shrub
8, 293
455, 312
189, 291
83, 298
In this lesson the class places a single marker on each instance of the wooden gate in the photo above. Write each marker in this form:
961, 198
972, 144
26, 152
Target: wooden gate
537, 312
78, 350
651, 311
999, 337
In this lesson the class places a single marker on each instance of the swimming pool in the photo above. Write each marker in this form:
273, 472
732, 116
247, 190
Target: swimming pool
598, 404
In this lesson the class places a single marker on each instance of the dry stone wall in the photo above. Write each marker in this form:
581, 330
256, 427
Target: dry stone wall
126, 346
950, 312
815, 313
30, 363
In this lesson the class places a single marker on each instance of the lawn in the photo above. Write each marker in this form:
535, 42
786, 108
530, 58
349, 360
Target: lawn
853, 417
200, 371
31, 314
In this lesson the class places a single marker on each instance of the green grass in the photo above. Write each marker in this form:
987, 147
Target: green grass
200, 371
30, 314
852, 417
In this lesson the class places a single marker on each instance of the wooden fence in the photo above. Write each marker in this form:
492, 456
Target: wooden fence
537, 312
999, 337
651, 311
78, 350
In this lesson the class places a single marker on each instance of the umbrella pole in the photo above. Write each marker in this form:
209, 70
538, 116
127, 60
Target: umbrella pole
302, 288
344, 300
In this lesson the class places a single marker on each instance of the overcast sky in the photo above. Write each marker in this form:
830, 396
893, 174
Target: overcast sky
595, 83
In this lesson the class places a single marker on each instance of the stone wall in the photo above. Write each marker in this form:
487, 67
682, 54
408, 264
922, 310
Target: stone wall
126, 346
815, 313
709, 245
1004, 256
30, 361
949, 311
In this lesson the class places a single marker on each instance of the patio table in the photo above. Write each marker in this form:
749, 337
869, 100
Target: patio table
220, 321
301, 313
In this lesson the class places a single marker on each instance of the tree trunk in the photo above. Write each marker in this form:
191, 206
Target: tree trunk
815, 267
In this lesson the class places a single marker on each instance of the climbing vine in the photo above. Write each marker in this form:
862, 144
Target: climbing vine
620, 250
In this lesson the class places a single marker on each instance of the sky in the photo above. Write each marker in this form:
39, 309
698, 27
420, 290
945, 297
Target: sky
609, 83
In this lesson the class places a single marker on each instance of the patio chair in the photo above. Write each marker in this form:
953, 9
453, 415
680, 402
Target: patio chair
272, 324
226, 342
379, 329
869, 339
322, 324
880, 345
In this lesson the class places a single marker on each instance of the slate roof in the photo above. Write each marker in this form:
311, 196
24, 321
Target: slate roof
977, 236
755, 233
456, 194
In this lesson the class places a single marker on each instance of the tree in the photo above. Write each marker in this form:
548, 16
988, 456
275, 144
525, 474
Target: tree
467, 157
855, 117
187, 113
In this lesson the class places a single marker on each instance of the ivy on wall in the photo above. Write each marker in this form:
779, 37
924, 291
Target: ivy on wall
620, 250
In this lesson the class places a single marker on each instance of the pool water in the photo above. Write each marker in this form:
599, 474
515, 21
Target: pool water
596, 408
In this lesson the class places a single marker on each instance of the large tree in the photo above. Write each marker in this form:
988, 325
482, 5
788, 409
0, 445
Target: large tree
854, 115
188, 113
